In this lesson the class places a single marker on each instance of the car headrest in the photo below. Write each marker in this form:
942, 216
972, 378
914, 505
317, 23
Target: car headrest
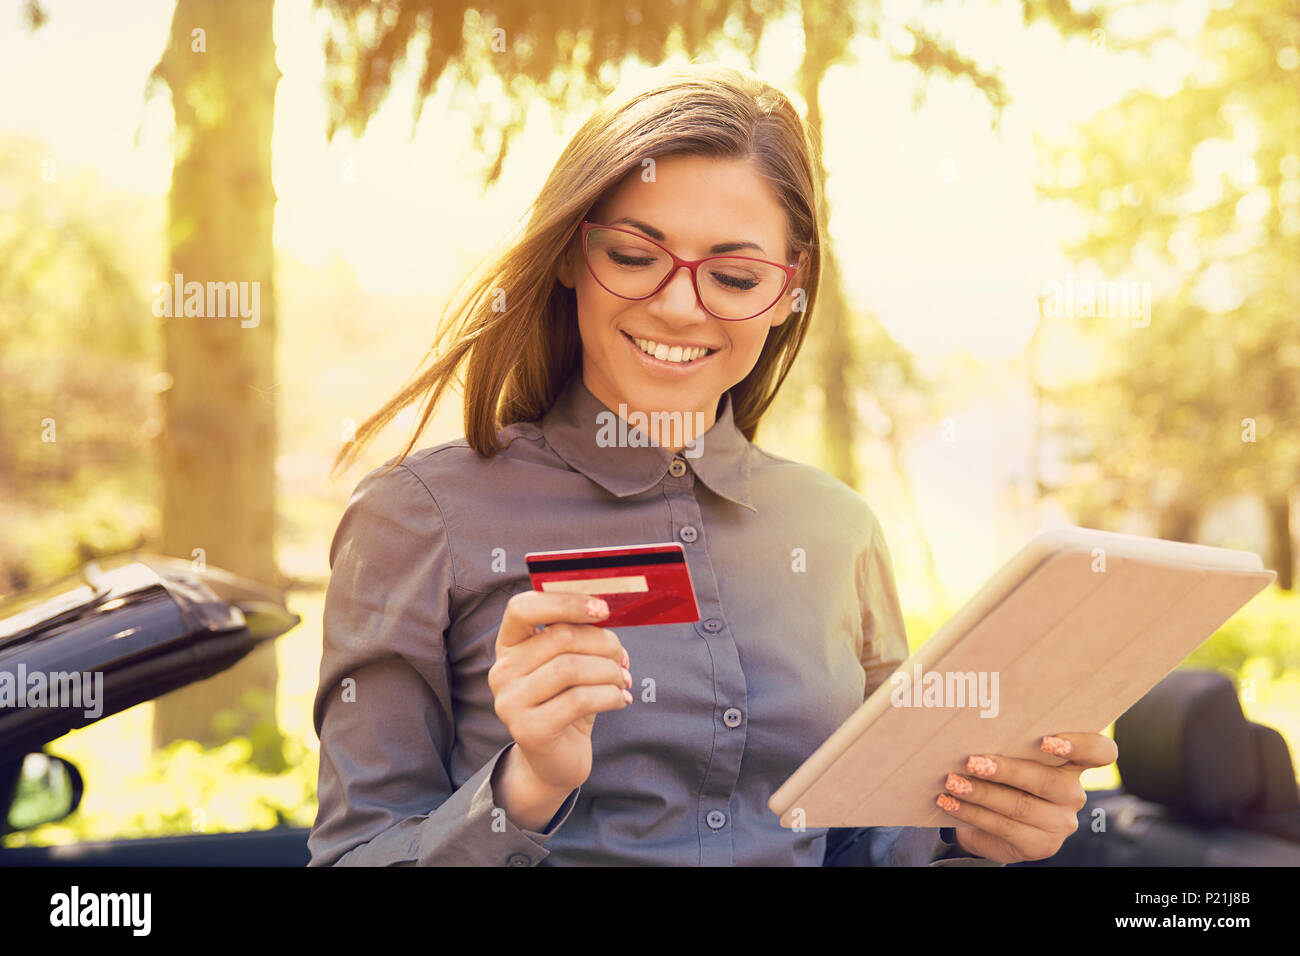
1277, 790
1187, 746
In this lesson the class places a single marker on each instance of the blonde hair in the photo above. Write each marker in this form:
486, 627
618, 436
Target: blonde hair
518, 359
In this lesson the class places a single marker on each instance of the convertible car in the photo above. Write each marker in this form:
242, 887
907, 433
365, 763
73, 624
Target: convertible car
123, 631
144, 625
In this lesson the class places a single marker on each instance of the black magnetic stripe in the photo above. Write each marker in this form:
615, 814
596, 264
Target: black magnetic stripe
614, 561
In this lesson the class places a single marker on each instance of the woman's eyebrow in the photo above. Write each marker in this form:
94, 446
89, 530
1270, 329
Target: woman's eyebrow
658, 236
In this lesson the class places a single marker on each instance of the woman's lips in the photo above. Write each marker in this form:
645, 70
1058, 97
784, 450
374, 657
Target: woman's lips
659, 365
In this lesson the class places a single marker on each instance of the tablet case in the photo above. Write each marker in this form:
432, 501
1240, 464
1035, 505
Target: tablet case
1077, 626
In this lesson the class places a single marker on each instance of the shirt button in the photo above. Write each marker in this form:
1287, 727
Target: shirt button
713, 625
518, 859
677, 468
688, 534
716, 819
731, 717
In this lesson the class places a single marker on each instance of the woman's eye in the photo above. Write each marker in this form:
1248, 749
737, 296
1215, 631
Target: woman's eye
738, 283
624, 260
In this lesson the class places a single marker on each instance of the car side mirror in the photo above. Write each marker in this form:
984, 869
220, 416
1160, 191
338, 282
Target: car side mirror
48, 788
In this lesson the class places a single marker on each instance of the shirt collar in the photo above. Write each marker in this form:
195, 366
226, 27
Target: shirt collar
571, 428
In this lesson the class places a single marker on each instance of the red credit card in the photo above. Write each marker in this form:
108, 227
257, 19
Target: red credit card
642, 583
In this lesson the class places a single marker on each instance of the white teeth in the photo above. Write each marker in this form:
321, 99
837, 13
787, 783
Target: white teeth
675, 353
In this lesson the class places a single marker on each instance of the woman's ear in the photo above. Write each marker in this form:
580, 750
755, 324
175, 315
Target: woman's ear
788, 300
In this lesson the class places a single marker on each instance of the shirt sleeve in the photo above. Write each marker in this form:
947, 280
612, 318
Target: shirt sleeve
884, 649
383, 709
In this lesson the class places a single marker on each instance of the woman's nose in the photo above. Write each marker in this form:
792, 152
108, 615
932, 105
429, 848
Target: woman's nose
678, 294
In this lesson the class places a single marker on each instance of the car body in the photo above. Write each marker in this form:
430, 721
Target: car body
123, 631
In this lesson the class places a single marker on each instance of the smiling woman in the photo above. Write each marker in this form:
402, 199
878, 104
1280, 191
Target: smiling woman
663, 332
667, 273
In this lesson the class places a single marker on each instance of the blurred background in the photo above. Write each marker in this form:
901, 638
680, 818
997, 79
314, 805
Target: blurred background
1062, 287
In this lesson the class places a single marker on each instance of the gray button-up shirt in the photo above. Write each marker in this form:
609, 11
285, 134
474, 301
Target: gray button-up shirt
799, 622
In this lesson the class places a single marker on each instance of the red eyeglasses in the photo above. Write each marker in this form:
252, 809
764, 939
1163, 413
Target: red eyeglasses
630, 266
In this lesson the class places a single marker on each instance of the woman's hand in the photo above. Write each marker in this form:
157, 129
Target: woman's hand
554, 671
1011, 810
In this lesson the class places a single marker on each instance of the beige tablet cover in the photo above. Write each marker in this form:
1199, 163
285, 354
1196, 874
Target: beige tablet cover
1077, 627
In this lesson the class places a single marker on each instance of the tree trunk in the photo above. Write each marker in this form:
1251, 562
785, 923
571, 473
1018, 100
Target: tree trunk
1180, 521
824, 44
217, 450
1281, 546
938, 593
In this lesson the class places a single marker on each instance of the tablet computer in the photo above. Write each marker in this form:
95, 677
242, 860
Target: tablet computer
1068, 635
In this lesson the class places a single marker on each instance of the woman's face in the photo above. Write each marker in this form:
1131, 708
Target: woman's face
693, 204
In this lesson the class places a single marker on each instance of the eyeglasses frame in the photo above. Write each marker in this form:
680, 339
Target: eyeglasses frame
692, 264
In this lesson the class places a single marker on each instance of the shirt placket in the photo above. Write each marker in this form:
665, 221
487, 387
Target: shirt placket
728, 712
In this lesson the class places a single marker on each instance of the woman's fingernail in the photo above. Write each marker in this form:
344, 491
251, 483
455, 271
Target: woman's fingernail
627, 677
1056, 745
627, 697
981, 765
946, 803
958, 784
626, 661
597, 608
